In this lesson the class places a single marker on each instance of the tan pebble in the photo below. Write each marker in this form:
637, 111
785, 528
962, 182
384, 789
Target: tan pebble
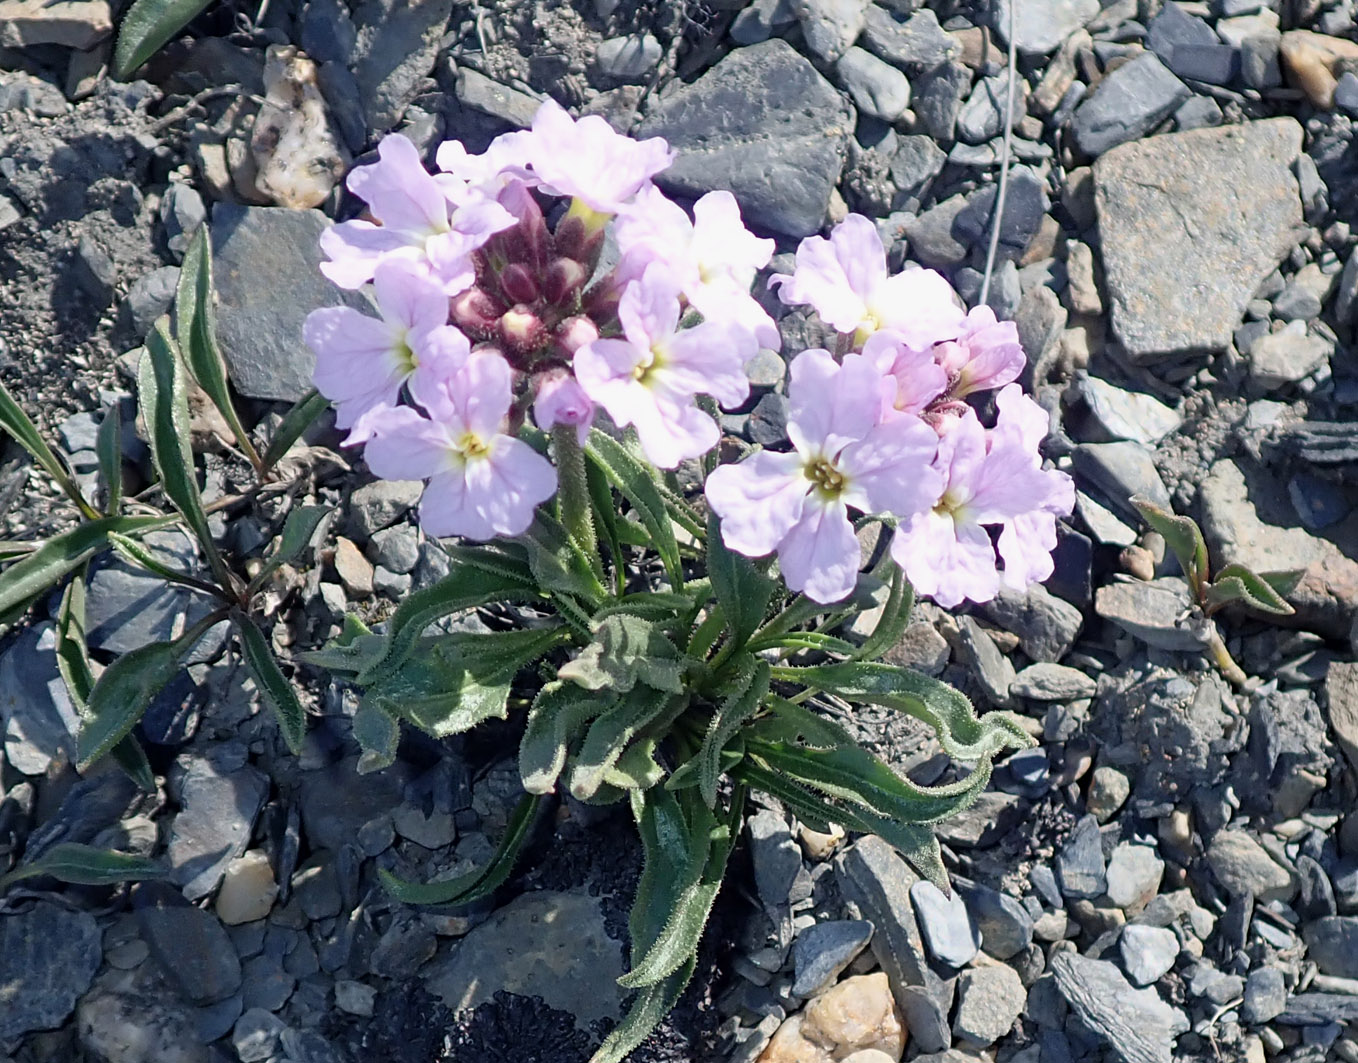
857, 1013
1313, 62
248, 889
789, 1046
353, 569
869, 1055
818, 845
1139, 562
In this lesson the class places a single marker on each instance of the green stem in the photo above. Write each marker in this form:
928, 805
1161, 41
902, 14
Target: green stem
1224, 661
573, 493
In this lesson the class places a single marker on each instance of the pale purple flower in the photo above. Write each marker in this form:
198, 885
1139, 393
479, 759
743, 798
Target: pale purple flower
989, 479
713, 257
588, 160
648, 378
417, 222
986, 354
845, 456
362, 361
500, 173
561, 400
845, 279
481, 482
919, 378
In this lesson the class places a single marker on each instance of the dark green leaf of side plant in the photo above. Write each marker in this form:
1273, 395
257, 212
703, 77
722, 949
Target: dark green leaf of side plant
298, 530
627, 650
1236, 583
479, 883
147, 27
86, 865
742, 590
125, 691
636, 482
273, 685
15, 422
1182, 535
108, 447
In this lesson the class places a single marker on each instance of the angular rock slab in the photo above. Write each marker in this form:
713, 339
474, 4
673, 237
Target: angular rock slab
48, 956
1135, 1024
548, 944
268, 279
764, 125
1191, 224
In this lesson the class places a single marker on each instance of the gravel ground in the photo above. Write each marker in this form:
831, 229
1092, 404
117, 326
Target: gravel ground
1172, 873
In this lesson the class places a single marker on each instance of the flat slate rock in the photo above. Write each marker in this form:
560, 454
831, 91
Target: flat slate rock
1041, 28
764, 125
397, 43
1184, 250
266, 262
1134, 1024
48, 957
1128, 104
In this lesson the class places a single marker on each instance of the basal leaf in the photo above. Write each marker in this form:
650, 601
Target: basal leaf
746, 695
147, 27
16, 423
298, 529
626, 650
296, 421
637, 768
789, 721
378, 734
1182, 535
479, 883
137, 553
636, 483
893, 621
647, 1009
108, 447
86, 865
1236, 583
914, 841
743, 591
559, 714
274, 687
611, 732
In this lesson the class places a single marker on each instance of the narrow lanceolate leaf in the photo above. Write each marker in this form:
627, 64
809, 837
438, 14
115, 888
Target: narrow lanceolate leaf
108, 446
557, 561
50, 563
147, 27
1182, 535
893, 621
274, 687
559, 714
296, 421
744, 700
1236, 583
137, 553
961, 733
610, 734
673, 857
161, 390
636, 483
15, 422
647, 1009
298, 530
128, 686
378, 734
637, 768
914, 841
663, 608
625, 651
85, 865
743, 591
464, 588
477, 884
196, 314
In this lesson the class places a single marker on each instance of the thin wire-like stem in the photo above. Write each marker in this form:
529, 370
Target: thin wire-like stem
998, 215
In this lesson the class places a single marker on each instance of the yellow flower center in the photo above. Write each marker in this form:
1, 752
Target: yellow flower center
828, 480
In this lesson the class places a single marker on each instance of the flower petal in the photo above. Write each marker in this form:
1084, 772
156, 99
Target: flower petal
758, 500
405, 446
820, 555
946, 561
891, 469
400, 193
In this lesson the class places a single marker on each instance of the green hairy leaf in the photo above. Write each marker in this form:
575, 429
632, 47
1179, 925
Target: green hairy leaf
14, 421
557, 562
147, 27
1182, 535
894, 620
274, 687
650, 1005
743, 591
637, 768
477, 884
559, 714
85, 865
108, 446
626, 650
296, 421
139, 554
378, 734
298, 529
1236, 583
746, 696
197, 319
611, 732
635, 481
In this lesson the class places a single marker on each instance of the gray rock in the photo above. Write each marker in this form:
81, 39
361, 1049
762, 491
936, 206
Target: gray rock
1298, 301
1172, 28
395, 49
93, 270
1041, 28
194, 952
949, 932
1332, 942
336, 801
878, 88
872, 876
182, 213
1134, 1024
48, 957
328, 33
255, 1035
1281, 358
764, 125
266, 262
931, 235
1242, 865
1170, 230
1215, 987
549, 944
1120, 414
219, 798
1079, 865
992, 668
1148, 952
1128, 104
150, 296
777, 859
1047, 626
404, 947
760, 20
1006, 926
1346, 93
337, 85
23, 91
380, 504
1153, 612
1052, 682
821, 952
1024, 207
989, 1002
1198, 112
768, 420
628, 57
1134, 873
39, 722
915, 43
488, 96
982, 116
938, 99
266, 984
396, 548
831, 26
1265, 995
1121, 470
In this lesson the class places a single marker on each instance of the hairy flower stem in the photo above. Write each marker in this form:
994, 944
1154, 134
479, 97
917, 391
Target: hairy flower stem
573, 493
1224, 661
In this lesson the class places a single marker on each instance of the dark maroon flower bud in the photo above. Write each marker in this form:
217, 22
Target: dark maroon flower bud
565, 279
575, 239
476, 312
519, 284
527, 241
522, 331
601, 302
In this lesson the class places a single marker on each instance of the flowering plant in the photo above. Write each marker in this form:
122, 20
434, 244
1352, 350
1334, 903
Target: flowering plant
667, 620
